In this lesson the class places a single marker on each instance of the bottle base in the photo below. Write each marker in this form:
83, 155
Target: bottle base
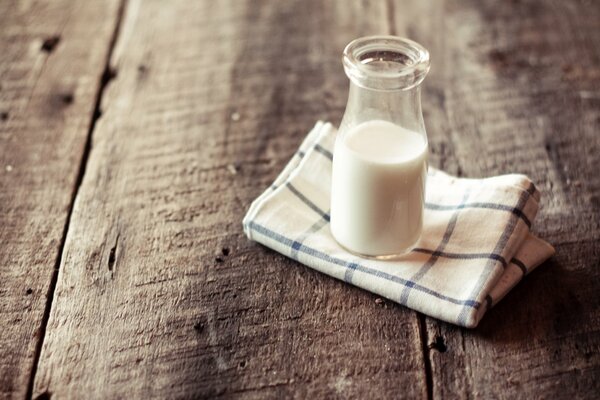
379, 257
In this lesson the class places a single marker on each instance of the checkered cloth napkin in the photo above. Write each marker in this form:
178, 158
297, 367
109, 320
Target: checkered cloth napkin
476, 244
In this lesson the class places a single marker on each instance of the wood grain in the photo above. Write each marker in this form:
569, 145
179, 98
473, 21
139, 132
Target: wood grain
515, 87
52, 57
159, 293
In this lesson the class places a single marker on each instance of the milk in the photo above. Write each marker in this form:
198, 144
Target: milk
378, 188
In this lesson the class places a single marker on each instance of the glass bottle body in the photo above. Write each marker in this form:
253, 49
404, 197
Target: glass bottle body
380, 154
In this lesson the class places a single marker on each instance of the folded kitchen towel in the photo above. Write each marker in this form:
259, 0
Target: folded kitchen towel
476, 243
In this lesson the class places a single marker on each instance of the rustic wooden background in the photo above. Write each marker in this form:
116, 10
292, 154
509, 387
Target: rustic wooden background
134, 135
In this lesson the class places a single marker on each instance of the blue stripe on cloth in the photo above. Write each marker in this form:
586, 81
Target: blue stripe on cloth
350, 272
493, 206
519, 264
500, 246
323, 151
307, 201
333, 260
463, 256
311, 230
435, 255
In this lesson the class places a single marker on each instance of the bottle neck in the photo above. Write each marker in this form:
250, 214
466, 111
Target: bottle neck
401, 107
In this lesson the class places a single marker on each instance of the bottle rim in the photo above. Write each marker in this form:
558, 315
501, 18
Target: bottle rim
386, 62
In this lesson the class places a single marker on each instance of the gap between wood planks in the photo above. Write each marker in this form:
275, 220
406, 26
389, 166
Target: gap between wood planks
425, 350
108, 74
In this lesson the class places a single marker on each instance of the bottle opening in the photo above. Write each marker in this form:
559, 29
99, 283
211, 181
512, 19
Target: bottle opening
387, 59
386, 62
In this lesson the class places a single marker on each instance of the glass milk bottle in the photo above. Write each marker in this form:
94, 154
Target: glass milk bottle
380, 153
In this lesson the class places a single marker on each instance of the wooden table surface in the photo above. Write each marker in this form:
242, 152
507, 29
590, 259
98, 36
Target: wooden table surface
135, 134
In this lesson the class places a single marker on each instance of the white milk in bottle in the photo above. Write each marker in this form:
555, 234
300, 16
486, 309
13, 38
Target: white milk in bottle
378, 188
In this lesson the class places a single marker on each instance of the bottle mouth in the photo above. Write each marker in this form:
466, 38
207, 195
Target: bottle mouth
386, 62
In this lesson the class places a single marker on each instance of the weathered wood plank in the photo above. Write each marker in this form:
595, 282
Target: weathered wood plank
50, 69
159, 293
515, 87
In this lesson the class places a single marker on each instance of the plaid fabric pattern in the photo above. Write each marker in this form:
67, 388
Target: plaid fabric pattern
476, 243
